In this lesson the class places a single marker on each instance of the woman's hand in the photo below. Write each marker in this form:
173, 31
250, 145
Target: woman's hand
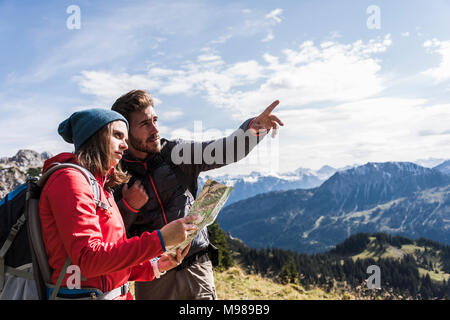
177, 231
167, 262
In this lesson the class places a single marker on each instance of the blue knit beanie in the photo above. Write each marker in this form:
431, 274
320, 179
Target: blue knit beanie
81, 125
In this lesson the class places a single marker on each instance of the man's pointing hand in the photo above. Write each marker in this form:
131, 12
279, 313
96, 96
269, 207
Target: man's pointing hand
266, 120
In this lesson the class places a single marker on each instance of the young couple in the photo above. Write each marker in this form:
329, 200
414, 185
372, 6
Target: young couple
127, 239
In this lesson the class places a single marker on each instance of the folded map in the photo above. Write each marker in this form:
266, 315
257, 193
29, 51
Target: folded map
207, 206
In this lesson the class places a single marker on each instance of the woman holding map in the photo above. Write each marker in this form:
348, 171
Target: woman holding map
92, 234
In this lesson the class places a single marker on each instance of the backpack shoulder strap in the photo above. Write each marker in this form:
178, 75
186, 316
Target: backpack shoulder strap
61, 276
38, 248
166, 151
87, 174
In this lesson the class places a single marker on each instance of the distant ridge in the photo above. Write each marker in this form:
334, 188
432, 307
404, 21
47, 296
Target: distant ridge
444, 167
395, 197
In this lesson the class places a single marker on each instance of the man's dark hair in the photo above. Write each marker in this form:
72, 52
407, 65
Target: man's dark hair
135, 100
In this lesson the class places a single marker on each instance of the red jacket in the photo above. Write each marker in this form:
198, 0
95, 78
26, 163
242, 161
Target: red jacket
95, 240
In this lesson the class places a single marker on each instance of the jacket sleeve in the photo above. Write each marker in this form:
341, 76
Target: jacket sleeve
142, 272
72, 202
129, 215
195, 157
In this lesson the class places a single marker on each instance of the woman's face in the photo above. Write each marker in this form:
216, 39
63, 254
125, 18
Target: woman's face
118, 141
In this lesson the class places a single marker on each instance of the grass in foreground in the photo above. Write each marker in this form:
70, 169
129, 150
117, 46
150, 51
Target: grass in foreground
235, 284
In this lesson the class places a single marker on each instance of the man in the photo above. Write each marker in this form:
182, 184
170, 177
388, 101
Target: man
164, 184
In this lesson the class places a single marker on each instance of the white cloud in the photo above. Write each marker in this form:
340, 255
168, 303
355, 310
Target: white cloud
107, 87
269, 37
254, 24
330, 71
170, 114
222, 39
275, 15
352, 123
378, 129
335, 35
208, 58
442, 48
375, 129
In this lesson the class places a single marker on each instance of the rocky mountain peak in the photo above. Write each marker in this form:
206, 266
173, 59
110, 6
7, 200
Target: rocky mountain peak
28, 158
365, 185
14, 170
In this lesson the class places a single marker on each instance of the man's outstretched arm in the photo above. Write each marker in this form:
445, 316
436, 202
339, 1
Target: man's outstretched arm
195, 157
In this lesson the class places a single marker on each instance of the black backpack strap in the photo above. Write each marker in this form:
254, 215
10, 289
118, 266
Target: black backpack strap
166, 151
4, 249
11, 236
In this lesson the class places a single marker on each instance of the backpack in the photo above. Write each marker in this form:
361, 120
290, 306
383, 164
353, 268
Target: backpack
24, 270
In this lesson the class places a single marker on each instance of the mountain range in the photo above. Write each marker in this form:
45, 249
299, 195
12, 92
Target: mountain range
249, 185
396, 197
311, 211
254, 183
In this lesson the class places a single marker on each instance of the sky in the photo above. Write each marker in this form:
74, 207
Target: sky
358, 81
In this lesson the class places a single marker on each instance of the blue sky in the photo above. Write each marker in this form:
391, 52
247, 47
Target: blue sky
350, 93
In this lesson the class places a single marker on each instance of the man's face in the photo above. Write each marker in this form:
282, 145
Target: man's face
144, 133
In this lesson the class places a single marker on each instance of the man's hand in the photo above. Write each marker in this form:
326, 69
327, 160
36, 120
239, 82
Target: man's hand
167, 261
136, 197
177, 231
266, 120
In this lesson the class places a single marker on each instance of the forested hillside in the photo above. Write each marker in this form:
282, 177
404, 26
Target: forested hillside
410, 269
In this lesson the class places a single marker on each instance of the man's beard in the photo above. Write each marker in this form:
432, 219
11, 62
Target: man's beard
143, 146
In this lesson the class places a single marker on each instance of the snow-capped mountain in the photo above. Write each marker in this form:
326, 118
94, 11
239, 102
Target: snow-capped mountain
429, 163
396, 197
363, 186
444, 167
246, 186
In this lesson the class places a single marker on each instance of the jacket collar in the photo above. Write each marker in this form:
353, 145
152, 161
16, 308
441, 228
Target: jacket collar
135, 165
142, 167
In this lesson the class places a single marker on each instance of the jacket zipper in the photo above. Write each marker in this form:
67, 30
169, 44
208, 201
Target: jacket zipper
159, 200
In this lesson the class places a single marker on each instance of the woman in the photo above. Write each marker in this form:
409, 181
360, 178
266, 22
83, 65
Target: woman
94, 238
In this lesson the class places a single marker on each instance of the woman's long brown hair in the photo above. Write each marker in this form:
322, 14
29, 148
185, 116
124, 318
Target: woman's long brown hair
95, 155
